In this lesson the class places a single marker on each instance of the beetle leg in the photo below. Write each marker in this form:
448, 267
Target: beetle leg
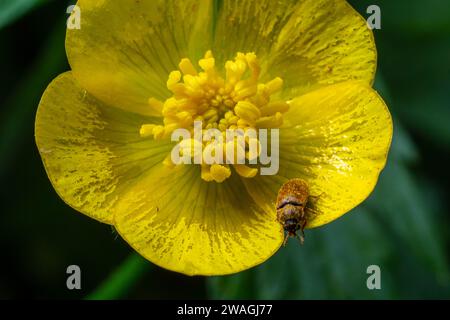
286, 238
302, 229
312, 200
301, 238
316, 198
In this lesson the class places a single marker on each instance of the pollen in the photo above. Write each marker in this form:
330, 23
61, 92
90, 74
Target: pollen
230, 98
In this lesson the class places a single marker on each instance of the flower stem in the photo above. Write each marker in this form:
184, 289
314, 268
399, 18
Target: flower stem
121, 281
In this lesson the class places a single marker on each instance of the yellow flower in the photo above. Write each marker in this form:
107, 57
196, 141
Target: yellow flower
141, 69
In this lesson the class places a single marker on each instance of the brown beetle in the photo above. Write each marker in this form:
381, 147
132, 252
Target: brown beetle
292, 201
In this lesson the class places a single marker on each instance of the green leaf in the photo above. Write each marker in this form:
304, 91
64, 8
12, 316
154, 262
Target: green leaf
11, 10
403, 148
408, 216
237, 286
432, 108
121, 280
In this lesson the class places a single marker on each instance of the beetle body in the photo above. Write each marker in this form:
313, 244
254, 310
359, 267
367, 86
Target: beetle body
292, 199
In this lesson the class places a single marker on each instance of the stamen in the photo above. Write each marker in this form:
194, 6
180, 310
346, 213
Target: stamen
247, 111
235, 101
220, 173
187, 67
245, 171
274, 107
147, 130
274, 86
271, 122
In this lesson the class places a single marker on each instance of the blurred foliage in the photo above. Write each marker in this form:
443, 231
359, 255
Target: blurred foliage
122, 281
11, 10
403, 227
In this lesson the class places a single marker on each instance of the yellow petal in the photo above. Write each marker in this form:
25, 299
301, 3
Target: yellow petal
91, 152
308, 43
125, 50
331, 43
337, 139
185, 224
249, 26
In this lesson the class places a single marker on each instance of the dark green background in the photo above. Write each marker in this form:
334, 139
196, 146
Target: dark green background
403, 227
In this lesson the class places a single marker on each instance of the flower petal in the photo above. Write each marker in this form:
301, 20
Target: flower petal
185, 224
125, 50
308, 43
337, 140
91, 152
249, 26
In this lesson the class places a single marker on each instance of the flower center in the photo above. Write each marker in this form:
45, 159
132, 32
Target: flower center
234, 101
